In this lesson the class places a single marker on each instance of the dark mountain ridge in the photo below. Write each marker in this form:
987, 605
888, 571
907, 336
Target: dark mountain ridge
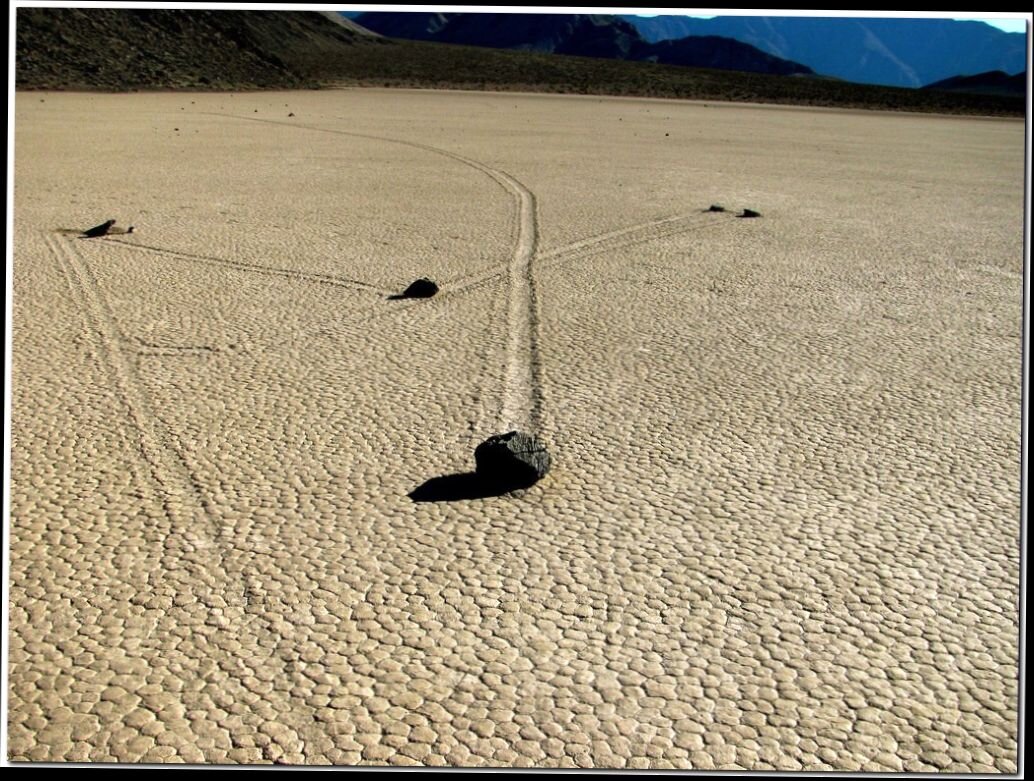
990, 83
584, 35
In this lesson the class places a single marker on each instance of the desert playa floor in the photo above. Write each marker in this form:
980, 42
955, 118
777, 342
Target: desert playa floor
782, 525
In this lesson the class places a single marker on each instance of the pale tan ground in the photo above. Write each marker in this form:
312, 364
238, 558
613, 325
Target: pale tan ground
782, 528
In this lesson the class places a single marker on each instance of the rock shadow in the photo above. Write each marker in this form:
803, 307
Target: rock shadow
94, 233
468, 485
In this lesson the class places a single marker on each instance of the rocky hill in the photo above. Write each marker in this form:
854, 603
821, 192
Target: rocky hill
145, 49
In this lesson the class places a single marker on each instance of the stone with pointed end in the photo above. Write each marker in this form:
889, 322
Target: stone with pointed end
99, 230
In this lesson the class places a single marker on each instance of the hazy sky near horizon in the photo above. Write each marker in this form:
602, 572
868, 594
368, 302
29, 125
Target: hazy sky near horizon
1008, 25
1015, 25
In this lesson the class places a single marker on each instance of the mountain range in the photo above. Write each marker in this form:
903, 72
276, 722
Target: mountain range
134, 49
584, 35
887, 51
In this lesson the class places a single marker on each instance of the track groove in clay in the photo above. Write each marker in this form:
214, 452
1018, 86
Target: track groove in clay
195, 531
308, 276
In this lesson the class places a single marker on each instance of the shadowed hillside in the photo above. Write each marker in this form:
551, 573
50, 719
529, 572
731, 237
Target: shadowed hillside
141, 48
990, 83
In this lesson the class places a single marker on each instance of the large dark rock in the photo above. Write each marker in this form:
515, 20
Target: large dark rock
99, 230
512, 460
421, 288
749, 213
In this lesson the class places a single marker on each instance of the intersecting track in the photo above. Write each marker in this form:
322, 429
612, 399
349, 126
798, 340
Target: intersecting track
522, 399
630, 236
521, 406
193, 519
169, 470
193, 526
622, 238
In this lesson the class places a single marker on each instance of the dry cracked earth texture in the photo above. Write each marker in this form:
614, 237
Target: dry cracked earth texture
782, 526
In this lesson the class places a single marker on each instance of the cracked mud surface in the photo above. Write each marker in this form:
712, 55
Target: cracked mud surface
781, 529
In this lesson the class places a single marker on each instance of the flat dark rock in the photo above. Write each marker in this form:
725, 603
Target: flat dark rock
513, 460
421, 288
750, 213
716, 208
99, 230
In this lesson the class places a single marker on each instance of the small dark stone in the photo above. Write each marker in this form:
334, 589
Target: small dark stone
512, 460
99, 230
291, 114
750, 213
716, 208
421, 288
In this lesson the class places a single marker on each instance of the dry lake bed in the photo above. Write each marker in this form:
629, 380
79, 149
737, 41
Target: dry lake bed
781, 528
